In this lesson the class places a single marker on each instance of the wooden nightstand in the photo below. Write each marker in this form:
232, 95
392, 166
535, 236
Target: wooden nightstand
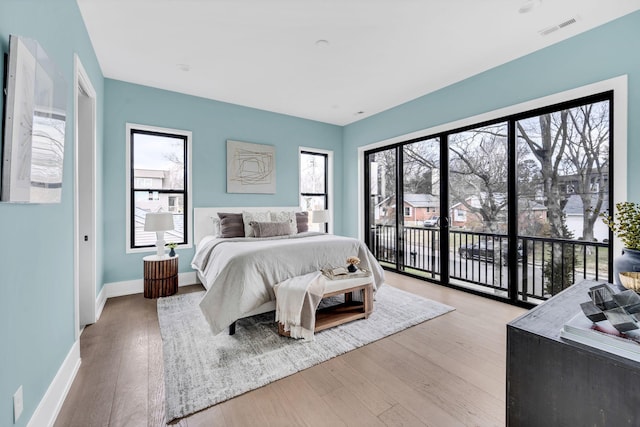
160, 276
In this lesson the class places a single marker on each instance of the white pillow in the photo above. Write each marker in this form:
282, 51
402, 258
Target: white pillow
216, 226
286, 216
247, 217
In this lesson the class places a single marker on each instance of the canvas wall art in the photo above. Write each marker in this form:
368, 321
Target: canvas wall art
251, 168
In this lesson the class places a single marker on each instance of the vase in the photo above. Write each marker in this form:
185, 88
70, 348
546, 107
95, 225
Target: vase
352, 268
172, 252
629, 261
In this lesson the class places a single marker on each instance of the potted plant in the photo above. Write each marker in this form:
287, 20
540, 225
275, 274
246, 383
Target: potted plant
352, 262
172, 246
626, 226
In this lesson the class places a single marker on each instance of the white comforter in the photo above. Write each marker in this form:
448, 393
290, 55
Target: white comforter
241, 272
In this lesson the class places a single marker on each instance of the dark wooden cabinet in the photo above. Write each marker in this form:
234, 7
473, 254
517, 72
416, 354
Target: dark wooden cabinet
555, 382
160, 276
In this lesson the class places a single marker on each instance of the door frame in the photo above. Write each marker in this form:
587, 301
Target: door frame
86, 305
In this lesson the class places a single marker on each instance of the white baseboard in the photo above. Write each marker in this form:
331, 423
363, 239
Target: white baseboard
101, 300
130, 287
50, 405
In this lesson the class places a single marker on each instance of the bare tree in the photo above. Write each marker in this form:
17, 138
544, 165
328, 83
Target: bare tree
546, 137
478, 173
383, 185
588, 158
570, 146
422, 167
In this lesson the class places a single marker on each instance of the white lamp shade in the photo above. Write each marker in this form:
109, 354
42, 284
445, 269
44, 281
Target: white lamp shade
320, 217
161, 221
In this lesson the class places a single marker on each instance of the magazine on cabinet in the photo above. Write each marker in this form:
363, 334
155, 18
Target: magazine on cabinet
602, 335
338, 273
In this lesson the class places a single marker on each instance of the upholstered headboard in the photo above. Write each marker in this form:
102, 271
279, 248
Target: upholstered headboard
203, 222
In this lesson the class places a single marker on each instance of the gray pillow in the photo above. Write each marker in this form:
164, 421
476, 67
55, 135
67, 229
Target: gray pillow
270, 229
231, 225
302, 221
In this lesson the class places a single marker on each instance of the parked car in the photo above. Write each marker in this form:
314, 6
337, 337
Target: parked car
432, 222
486, 251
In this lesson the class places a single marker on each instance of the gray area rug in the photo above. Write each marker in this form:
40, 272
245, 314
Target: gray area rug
202, 369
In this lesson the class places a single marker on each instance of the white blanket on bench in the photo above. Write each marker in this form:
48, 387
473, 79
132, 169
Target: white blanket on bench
296, 302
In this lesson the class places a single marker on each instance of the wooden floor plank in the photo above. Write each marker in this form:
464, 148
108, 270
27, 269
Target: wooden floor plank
411, 399
350, 409
397, 416
374, 398
301, 399
321, 379
470, 405
448, 371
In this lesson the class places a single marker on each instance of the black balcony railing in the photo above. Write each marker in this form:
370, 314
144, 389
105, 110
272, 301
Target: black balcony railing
480, 260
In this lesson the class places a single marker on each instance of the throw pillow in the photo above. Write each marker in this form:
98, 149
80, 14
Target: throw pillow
247, 217
286, 216
216, 226
302, 221
270, 229
231, 225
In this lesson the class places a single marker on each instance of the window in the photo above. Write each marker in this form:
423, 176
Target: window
315, 177
407, 211
459, 215
144, 183
158, 181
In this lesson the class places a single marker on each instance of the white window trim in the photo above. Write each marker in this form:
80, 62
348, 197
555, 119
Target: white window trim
189, 214
409, 211
619, 86
330, 199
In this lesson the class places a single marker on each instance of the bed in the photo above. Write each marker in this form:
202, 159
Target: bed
239, 273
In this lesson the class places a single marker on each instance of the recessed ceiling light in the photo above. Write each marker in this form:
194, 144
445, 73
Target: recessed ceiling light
528, 6
322, 43
183, 67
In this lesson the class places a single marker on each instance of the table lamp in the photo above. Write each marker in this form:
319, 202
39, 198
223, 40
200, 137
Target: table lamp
159, 222
320, 216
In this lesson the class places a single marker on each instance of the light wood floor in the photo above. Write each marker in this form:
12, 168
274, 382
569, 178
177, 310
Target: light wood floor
449, 371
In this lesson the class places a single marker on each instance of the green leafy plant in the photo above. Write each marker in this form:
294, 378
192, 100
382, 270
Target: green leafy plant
172, 245
626, 223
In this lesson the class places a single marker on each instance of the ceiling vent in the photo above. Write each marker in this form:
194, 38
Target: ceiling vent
552, 29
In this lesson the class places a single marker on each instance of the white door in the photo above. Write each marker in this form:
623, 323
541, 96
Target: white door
85, 197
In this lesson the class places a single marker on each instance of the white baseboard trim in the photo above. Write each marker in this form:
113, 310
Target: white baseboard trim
130, 287
50, 405
100, 302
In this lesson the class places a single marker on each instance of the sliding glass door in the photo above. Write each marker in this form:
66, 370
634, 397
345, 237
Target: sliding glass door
421, 207
478, 208
507, 208
563, 160
382, 215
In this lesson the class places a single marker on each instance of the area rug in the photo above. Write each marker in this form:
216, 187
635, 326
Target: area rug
202, 369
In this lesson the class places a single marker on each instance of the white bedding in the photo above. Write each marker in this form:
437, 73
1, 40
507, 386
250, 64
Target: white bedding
240, 272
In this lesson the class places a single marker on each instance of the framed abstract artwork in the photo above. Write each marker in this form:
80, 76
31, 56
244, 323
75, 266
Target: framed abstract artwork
35, 124
251, 168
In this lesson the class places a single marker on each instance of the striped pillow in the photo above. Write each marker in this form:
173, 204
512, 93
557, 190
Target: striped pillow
302, 221
231, 225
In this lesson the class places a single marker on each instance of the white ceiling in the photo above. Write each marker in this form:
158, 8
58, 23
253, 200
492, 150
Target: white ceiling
380, 53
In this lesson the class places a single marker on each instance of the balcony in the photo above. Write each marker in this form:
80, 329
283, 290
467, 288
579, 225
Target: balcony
480, 261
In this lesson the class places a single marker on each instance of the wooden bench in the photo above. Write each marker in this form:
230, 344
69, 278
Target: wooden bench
347, 311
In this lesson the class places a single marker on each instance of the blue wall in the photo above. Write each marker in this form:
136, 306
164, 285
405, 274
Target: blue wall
36, 267
212, 123
602, 53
